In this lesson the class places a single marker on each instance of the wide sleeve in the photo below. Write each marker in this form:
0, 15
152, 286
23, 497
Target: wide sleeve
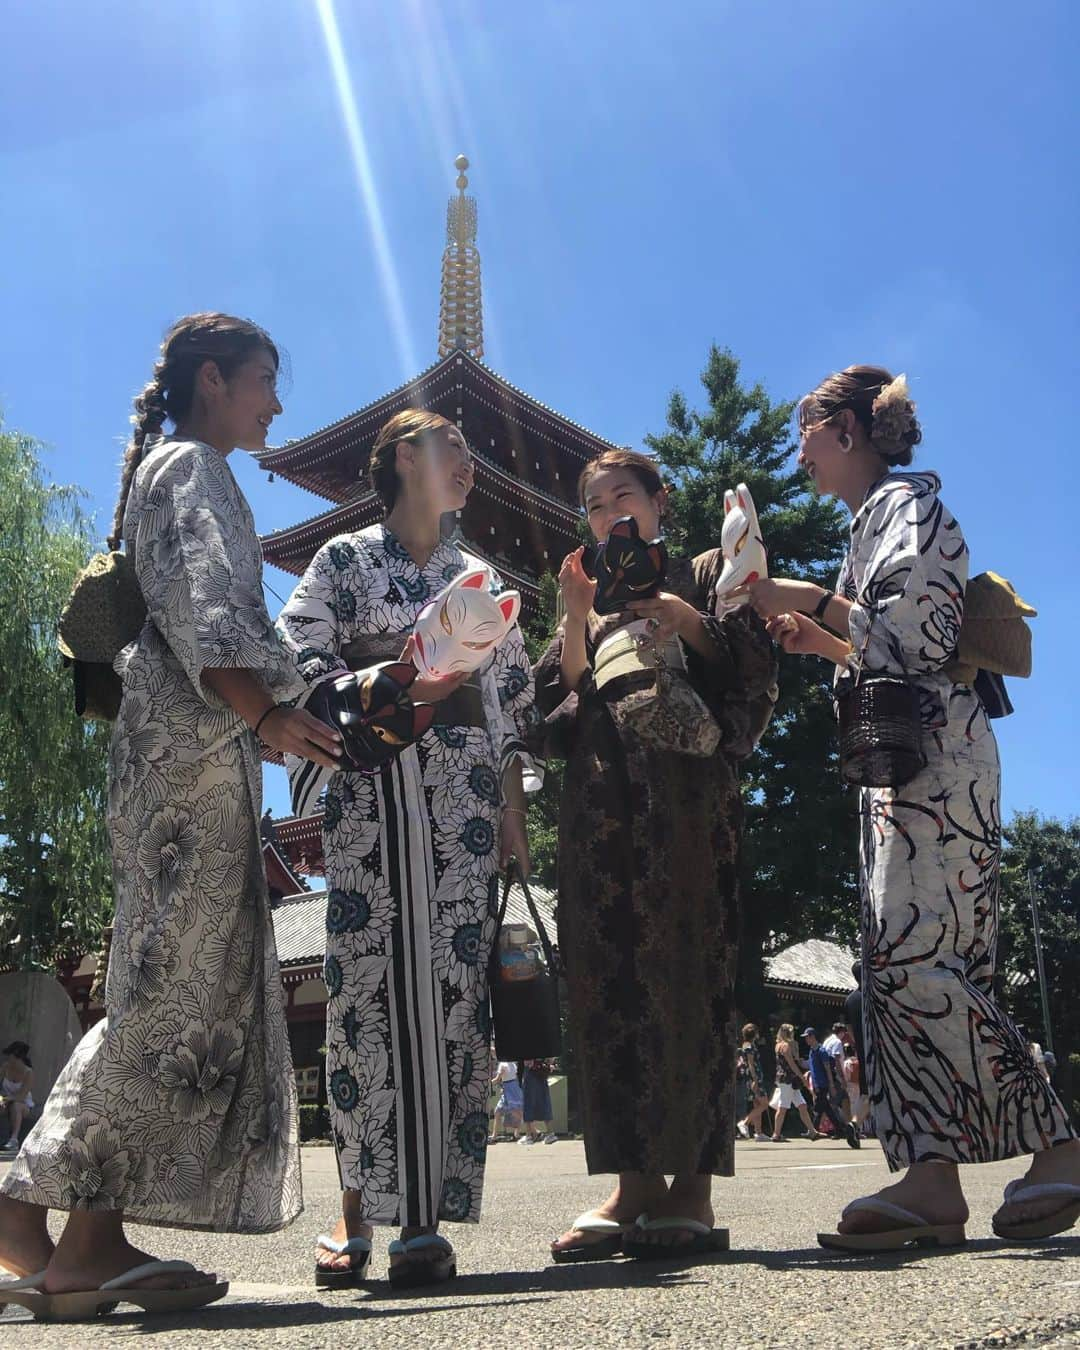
516, 690
315, 622
911, 570
200, 571
556, 706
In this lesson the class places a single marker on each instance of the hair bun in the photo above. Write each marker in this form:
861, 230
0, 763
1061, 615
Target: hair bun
895, 429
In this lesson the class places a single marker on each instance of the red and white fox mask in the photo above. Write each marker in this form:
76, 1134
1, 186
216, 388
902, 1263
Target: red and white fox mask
460, 628
743, 549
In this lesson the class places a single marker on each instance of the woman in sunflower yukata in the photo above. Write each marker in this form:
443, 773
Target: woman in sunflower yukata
649, 843
179, 1108
950, 1078
412, 861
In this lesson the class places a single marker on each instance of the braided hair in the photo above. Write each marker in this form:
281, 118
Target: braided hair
170, 391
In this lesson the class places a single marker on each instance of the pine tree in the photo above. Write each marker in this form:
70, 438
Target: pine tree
800, 838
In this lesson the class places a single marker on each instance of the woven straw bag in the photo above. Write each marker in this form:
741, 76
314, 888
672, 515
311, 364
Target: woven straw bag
104, 613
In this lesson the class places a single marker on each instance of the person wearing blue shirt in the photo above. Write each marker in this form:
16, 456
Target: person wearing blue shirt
821, 1080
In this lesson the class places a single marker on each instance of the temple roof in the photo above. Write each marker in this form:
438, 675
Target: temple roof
812, 965
513, 522
329, 461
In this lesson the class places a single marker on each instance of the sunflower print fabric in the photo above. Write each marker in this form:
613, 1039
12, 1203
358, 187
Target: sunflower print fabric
411, 867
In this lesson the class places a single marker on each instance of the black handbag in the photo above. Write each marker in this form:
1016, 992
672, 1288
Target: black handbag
880, 724
523, 983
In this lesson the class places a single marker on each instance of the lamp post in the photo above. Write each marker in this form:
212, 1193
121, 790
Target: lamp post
1039, 962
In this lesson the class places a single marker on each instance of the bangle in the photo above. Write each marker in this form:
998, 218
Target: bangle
822, 605
517, 811
272, 708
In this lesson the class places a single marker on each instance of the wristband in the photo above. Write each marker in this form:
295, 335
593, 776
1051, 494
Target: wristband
821, 606
272, 708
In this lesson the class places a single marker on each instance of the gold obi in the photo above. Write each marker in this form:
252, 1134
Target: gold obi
632, 650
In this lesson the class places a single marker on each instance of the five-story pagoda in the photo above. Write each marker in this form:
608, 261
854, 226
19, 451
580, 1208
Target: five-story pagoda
522, 515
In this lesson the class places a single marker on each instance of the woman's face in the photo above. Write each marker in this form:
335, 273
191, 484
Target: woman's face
820, 456
444, 470
250, 402
611, 494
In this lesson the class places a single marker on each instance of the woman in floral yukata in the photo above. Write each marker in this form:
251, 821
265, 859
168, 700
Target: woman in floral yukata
950, 1078
179, 1108
412, 859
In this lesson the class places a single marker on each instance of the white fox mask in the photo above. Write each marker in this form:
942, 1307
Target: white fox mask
741, 544
463, 624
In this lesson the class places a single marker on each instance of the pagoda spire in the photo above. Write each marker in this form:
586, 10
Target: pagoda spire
461, 317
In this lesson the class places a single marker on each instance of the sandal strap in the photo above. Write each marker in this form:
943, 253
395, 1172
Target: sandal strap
591, 1222
869, 1204
1015, 1191
419, 1244
146, 1270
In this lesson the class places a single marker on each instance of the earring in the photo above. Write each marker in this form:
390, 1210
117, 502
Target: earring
846, 443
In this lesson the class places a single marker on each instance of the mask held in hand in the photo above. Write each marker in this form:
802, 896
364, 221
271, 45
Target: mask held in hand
625, 567
464, 623
743, 548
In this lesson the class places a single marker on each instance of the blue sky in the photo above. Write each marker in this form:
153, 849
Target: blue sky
811, 184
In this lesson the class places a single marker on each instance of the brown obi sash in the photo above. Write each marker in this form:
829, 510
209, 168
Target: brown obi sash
463, 708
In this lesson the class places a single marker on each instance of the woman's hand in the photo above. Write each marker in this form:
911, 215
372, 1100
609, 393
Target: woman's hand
796, 634
801, 636
514, 840
779, 595
577, 589
294, 731
669, 616
427, 688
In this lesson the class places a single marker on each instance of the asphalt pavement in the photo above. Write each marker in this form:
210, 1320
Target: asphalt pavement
776, 1288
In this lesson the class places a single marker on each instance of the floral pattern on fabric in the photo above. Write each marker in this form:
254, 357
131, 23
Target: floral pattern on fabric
949, 1075
411, 855
180, 1107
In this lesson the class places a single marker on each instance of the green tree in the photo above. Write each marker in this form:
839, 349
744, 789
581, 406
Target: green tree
544, 808
1044, 853
801, 837
55, 888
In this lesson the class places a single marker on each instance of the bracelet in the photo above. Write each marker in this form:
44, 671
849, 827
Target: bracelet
272, 708
516, 810
821, 606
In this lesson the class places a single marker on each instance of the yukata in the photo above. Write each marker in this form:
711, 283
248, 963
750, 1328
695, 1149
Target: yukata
412, 870
648, 881
180, 1107
949, 1076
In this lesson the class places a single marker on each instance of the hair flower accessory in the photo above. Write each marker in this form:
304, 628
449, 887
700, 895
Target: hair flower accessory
894, 425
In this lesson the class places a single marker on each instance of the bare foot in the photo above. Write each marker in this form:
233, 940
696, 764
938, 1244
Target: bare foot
623, 1205
1052, 1164
930, 1189
91, 1269
688, 1198
25, 1245
343, 1230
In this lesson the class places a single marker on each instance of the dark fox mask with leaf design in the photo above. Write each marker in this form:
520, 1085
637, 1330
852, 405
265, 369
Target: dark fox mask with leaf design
625, 567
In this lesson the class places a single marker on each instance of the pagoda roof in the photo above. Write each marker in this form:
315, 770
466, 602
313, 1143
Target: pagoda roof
293, 547
318, 461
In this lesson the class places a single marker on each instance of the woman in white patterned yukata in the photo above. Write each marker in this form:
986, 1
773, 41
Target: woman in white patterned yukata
950, 1078
179, 1108
412, 858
